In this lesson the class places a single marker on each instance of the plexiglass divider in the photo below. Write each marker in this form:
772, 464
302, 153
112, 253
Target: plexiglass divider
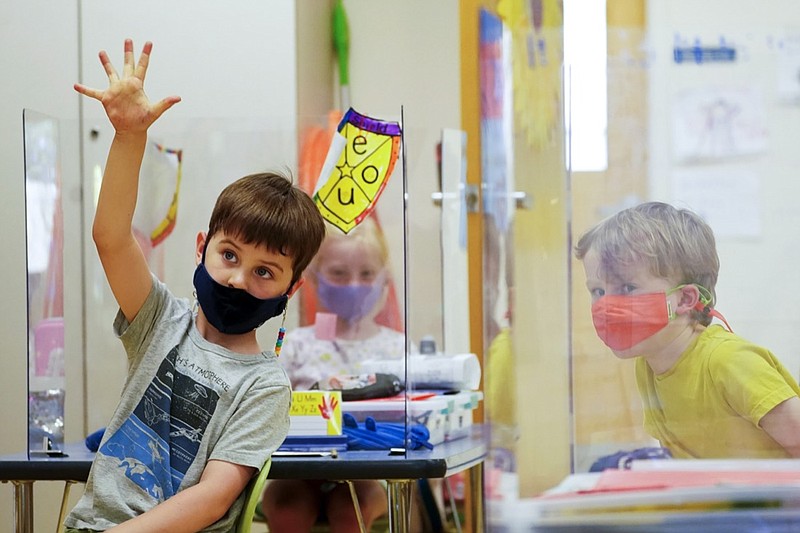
187, 163
45, 281
407, 268
498, 261
213, 152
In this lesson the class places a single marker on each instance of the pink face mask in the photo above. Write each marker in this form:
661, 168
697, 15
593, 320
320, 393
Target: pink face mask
622, 321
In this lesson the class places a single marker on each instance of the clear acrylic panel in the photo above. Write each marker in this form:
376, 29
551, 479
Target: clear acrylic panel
525, 204
604, 428
208, 154
354, 305
454, 199
497, 175
45, 272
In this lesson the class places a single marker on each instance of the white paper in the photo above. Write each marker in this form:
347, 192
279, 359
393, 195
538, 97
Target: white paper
331, 159
729, 199
788, 68
718, 123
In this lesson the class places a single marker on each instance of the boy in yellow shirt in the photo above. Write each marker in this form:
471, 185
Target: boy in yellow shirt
706, 392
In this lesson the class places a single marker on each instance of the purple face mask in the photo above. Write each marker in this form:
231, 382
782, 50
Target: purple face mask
349, 302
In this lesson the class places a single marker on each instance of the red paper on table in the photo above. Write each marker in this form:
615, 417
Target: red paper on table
627, 480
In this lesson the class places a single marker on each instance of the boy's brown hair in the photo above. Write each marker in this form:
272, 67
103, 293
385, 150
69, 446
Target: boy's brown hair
265, 209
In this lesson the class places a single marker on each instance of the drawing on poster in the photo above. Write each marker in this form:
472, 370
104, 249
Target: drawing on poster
711, 124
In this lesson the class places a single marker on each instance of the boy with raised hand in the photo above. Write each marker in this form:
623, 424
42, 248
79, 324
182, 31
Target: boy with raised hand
706, 392
203, 407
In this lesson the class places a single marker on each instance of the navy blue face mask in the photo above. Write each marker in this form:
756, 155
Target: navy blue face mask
233, 311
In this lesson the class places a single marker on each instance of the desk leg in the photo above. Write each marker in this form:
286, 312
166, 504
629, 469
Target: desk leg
23, 506
354, 496
399, 493
477, 504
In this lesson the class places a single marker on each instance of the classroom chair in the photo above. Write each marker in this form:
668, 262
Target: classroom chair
62, 512
252, 498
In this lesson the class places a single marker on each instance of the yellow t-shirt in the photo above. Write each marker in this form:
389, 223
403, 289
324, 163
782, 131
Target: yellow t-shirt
710, 403
500, 382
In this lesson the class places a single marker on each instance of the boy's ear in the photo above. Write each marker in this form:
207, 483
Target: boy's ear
200, 243
689, 296
294, 288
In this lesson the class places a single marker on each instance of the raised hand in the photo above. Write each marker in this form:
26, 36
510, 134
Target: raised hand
125, 101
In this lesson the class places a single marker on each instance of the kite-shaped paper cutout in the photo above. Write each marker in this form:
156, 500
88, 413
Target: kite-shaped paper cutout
159, 187
360, 160
166, 226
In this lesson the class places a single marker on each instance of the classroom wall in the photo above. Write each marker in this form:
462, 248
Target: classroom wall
406, 54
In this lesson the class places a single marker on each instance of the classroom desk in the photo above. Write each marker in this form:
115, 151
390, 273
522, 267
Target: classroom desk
399, 471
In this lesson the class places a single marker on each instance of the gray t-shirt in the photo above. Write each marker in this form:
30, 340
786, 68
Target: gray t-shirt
185, 401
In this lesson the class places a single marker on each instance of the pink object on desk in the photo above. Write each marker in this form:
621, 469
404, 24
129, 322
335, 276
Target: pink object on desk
48, 342
628, 480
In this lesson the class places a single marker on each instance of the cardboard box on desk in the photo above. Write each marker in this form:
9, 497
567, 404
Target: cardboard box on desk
315, 413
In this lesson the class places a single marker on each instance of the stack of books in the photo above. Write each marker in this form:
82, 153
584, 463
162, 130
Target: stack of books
676, 495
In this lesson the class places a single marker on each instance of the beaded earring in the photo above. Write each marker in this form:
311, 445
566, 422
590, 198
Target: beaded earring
281, 335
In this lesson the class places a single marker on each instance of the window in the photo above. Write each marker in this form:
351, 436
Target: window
585, 88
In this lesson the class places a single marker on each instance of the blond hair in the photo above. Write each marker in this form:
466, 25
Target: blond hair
673, 243
367, 232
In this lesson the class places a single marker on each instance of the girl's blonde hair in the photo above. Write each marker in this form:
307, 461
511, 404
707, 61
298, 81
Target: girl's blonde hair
367, 232
673, 243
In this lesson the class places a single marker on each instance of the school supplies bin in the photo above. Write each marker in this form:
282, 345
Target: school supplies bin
431, 411
461, 416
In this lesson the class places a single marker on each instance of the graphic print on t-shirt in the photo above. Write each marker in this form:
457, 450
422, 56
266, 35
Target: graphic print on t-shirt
158, 442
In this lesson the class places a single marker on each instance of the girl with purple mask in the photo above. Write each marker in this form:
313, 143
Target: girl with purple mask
352, 280
351, 277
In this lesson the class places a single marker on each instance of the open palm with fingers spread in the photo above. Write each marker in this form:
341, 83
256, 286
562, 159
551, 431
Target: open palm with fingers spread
125, 101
